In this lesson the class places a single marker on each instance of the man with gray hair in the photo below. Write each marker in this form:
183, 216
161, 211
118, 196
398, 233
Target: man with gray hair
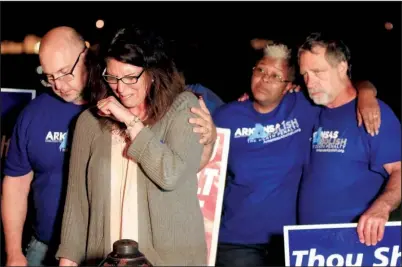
352, 176
268, 148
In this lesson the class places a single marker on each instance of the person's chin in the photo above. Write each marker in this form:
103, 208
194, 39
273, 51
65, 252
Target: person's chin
320, 101
129, 103
69, 98
267, 98
259, 95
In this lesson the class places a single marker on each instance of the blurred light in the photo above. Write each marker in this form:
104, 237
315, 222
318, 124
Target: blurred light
87, 44
29, 43
100, 23
259, 44
10, 47
388, 26
39, 70
36, 48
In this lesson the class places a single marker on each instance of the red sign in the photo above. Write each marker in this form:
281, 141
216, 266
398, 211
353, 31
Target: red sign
211, 185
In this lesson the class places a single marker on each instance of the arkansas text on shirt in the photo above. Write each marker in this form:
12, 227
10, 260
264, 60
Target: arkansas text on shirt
266, 157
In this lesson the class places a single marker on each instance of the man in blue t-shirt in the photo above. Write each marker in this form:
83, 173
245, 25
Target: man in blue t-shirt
351, 176
39, 148
268, 148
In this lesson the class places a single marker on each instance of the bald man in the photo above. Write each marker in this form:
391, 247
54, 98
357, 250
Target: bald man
39, 148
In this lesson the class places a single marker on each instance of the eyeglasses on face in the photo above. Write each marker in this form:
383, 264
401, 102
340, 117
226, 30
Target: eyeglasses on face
49, 80
258, 71
127, 79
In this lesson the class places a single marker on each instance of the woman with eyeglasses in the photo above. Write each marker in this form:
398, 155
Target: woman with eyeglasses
134, 161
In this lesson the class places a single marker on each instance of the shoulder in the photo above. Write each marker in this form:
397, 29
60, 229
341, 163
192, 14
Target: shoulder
197, 88
34, 109
227, 113
231, 107
39, 103
211, 99
89, 124
184, 100
385, 109
88, 118
387, 114
306, 103
200, 89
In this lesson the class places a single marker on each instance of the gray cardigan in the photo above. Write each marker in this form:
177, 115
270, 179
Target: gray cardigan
171, 226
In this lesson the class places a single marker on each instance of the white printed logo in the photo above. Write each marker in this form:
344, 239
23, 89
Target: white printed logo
328, 141
269, 133
57, 137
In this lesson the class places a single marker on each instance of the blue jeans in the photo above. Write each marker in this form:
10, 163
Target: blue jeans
38, 254
249, 255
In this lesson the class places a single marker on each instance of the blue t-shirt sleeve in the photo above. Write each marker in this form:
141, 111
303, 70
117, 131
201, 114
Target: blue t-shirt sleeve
17, 161
386, 146
212, 101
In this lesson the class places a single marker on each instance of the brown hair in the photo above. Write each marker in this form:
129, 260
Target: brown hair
144, 48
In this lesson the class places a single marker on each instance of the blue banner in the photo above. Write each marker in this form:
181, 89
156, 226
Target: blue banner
12, 102
339, 245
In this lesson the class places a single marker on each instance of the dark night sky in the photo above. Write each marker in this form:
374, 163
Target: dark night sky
221, 31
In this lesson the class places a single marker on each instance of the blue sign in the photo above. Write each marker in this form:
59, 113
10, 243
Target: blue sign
12, 103
339, 245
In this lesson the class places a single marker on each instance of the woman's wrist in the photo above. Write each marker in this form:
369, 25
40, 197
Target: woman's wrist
132, 121
134, 126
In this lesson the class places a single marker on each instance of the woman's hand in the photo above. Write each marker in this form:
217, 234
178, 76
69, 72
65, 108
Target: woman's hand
110, 107
368, 112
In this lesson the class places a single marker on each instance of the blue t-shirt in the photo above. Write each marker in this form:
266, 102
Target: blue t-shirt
212, 101
266, 157
39, 144
346, 172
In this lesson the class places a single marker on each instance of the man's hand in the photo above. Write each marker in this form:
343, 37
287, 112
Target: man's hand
204, 124
17, 259
371, 224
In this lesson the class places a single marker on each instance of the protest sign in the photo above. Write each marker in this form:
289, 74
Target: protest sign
339, 245
12, 102
211, 184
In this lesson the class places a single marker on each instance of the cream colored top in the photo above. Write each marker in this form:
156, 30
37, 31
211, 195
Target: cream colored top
124, 195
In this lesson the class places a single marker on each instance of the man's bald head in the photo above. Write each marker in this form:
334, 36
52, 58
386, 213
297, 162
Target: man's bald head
61, 38
62, 57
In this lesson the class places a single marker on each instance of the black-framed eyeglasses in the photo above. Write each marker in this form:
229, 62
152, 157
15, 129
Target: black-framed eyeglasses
127, 79
49, 80
273, 77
